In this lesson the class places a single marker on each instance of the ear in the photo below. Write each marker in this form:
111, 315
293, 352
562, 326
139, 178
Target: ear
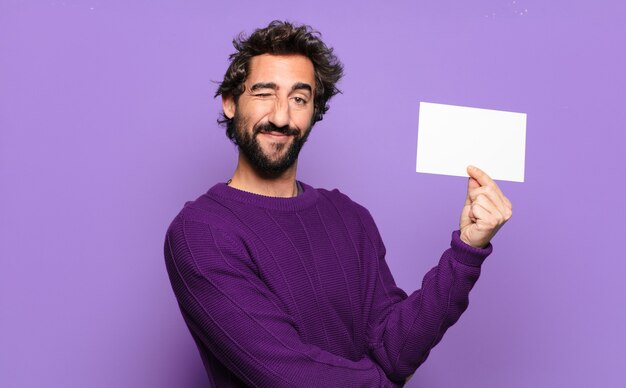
228, 105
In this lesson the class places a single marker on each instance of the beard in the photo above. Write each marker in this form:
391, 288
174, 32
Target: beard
264, 164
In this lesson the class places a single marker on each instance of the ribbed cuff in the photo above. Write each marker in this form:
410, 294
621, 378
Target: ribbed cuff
468, 254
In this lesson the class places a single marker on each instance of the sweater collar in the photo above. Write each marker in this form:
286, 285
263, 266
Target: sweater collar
307, 198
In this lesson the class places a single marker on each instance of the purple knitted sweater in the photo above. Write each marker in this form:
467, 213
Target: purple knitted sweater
295, 292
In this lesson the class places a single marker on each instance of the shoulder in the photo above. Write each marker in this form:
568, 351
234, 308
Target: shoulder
344, 203
355, 218
204, 212
202, 234
211, 208
352, 211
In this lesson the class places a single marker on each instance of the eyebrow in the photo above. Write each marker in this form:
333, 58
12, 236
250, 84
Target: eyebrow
263, 85
273, 86
301, 86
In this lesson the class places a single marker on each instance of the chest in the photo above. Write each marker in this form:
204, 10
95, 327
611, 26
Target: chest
315, 265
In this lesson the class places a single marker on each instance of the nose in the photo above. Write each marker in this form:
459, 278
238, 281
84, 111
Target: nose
280, 114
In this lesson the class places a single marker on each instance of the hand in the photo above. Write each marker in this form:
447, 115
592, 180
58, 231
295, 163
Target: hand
486, 209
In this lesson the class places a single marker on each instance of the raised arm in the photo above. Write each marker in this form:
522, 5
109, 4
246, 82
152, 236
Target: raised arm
235, 316
405, 329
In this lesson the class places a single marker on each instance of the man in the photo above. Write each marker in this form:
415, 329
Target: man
282, 284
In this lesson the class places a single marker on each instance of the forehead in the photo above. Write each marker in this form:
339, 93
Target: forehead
283, 70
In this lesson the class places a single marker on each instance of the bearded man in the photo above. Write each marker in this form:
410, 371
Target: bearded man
286, 285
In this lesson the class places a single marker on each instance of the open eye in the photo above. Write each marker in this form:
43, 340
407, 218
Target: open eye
299, 100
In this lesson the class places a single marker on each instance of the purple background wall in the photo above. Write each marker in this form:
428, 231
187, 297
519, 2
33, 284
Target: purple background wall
107, 126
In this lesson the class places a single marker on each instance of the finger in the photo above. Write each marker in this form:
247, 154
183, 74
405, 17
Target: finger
494, 216
480, 176
485, 180
472, 184
495, 197
483, 216
470, 215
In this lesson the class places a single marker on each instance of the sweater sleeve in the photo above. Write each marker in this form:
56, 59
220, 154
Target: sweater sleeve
402, 330
238, 318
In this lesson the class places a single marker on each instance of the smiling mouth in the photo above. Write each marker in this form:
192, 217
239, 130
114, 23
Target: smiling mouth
275, 133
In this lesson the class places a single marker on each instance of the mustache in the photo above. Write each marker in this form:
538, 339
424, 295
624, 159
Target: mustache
269, 127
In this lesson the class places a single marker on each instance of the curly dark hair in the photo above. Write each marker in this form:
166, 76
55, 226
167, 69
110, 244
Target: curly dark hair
282, 38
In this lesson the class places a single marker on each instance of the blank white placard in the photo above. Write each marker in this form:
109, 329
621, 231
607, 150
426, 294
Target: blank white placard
451, 137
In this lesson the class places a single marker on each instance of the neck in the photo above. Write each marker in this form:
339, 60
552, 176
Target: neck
246, 178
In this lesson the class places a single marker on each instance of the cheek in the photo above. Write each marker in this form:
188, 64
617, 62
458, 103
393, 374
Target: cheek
303, 119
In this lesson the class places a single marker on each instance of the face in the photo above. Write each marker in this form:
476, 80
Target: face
273, 116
